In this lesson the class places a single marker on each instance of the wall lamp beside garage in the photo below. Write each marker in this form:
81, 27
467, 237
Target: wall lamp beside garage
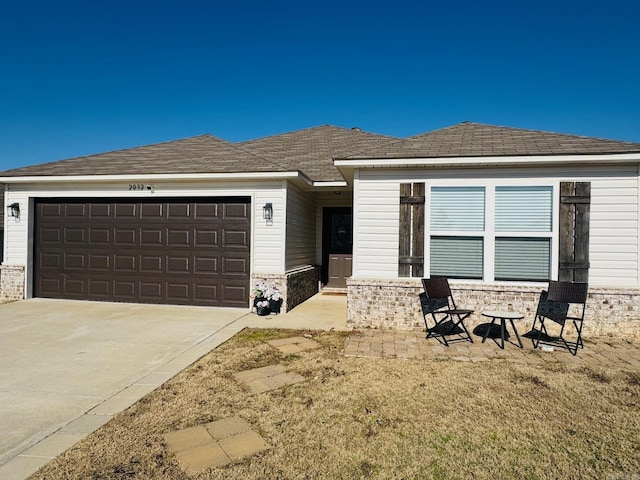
13, 210
267, 212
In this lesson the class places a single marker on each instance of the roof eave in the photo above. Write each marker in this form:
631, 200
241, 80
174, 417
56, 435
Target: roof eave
144, 178
347, 165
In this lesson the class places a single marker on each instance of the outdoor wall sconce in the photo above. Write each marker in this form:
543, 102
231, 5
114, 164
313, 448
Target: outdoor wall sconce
267, 212
13, 210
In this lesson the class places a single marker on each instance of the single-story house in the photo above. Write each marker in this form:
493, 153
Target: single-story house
498, 210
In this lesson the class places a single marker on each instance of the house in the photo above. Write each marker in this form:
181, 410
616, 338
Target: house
194, 221
198, 221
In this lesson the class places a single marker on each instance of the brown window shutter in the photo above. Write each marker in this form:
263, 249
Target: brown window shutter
575, 202
411, 244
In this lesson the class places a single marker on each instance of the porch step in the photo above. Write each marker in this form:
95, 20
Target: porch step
333, 291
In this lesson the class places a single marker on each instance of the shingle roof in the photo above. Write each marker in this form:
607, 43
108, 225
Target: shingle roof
470, 139
312, 150
202, 154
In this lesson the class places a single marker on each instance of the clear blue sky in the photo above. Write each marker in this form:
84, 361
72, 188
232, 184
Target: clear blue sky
78, 78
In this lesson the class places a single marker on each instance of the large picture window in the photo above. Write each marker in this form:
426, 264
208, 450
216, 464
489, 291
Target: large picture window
491, 233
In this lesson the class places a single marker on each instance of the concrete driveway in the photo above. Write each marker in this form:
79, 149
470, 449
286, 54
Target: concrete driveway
69, 366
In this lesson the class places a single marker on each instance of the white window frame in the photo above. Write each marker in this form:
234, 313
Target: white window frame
489, 234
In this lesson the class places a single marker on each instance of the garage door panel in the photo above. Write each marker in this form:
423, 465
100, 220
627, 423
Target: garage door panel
178, 265
125, 211
125, 236
235, 238
74, 235
161, 251
150, 237
236, 211
100, 210
206, 210
73, 211
99, 236
206, 238
100, 289
178, 237
74, 288
206, 265
124, 289
50, 235
152, 211
74, 261
99, 261
235, 266
235, 293
151, 291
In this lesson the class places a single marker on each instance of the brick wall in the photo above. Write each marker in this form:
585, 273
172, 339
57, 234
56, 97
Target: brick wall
395, 303
11, 283
295, 286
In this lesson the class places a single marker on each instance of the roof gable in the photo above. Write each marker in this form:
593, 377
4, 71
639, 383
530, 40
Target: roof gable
469, 139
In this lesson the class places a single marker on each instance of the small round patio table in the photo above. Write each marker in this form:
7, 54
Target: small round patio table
503, 317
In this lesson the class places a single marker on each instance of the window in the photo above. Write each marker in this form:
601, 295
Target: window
491, 233
457, 219
523, 219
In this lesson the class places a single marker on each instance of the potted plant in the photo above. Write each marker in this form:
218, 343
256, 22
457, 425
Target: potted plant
266, 299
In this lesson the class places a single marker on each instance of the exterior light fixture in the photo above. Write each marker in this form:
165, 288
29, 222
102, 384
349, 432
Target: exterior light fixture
13, 210
267, 212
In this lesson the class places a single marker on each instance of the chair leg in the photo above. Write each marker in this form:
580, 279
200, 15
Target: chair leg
536, 341
461, 323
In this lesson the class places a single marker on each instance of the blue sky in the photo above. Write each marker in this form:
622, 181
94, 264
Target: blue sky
86, 77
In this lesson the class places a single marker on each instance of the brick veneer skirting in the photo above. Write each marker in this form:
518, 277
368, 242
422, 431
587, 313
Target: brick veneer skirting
11, 283
395, 303
296, 286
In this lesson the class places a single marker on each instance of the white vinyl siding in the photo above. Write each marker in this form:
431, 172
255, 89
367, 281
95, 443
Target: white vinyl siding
614, 219
301, 228
613, 233
376, 226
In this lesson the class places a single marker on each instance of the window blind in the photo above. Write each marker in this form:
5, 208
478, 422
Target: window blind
456, 257
524, 209
522, 259
457, 208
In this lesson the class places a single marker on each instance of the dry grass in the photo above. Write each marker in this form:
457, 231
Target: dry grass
380, 418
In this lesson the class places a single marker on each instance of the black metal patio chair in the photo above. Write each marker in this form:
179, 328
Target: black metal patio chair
438, 304
565, 303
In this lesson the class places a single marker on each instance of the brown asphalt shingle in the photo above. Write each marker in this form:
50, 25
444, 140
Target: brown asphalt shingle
312, 150
470, 139
202, 154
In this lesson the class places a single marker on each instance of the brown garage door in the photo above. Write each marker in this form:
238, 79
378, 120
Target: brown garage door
176, 251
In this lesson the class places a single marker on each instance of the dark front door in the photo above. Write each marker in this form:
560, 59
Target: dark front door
185, 251
337, 246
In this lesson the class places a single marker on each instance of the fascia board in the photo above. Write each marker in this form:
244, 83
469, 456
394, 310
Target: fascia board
528, 160
159, 177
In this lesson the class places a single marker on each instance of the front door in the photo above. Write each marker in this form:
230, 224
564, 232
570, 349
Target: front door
337, 246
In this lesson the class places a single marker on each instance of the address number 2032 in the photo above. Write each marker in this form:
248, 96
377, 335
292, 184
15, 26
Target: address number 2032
136, 186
